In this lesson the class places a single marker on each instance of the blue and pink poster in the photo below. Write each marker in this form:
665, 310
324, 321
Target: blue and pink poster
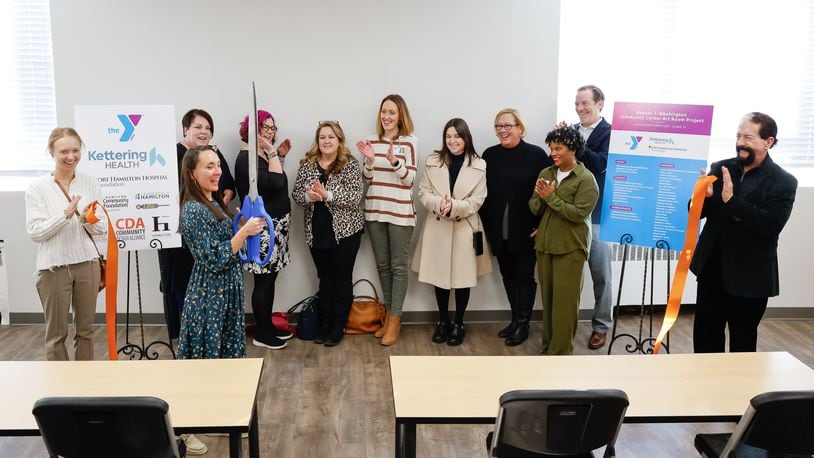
657, 151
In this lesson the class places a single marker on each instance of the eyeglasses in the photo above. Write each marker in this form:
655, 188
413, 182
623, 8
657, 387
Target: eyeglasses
499, 127
330, 121
266, 128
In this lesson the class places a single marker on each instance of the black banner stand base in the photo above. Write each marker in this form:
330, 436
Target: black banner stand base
139, 350
640, 343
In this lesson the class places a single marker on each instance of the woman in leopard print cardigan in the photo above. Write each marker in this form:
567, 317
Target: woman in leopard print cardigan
329, 187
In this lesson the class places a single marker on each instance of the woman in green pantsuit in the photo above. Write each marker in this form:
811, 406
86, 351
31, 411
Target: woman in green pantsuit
565, 195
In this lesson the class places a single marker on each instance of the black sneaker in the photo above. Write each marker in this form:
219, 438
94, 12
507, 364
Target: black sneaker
271, 343
280, 333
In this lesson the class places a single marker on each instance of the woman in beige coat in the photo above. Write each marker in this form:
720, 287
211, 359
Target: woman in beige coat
450, 252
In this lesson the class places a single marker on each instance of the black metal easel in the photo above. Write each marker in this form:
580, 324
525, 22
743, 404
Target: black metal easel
640, 343
135, 350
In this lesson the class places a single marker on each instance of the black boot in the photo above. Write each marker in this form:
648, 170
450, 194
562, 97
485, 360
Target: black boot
322, 334
335, 336
340, 312
525, 302
456, 336
325, 320
520, 334
511, 293
441, 333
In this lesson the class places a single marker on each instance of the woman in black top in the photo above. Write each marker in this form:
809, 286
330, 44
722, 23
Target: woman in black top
272, 186
512, 167
329, 188
175, 264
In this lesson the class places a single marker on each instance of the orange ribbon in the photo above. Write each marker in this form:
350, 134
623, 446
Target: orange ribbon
111, 279
699, 193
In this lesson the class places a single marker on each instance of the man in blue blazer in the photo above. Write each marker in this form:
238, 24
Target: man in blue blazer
596, 132
736, 259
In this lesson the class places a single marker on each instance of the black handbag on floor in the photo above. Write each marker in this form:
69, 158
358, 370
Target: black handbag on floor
308, 321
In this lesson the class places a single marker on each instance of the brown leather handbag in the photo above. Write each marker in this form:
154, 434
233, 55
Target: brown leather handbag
367, 313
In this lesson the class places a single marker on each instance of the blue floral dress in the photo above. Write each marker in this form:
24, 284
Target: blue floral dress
212, 324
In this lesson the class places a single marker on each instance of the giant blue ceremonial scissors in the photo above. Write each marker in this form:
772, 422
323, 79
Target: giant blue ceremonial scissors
253, 204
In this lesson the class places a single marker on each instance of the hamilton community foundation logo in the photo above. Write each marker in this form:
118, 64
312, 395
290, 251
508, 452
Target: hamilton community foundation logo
129, 122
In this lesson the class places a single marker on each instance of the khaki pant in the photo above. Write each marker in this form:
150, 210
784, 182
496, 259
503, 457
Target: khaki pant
62, 288
391, 248
560, 288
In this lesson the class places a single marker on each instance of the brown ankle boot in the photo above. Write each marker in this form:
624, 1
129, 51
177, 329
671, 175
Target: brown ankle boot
383, 329
392, 332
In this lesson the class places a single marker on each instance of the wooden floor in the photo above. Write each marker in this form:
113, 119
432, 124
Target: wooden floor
336, 402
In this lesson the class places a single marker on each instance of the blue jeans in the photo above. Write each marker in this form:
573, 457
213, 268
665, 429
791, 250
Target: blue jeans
599, 264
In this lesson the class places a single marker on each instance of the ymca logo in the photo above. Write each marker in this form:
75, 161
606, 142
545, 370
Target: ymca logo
129, 122
634, 142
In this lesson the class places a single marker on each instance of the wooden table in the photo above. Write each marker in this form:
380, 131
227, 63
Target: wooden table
662, 388
214, 395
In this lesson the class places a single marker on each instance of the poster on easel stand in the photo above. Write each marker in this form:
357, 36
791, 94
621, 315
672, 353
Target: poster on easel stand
131, 150
656, 154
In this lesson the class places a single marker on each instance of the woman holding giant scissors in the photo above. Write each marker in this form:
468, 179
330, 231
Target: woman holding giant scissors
329, 186
212, 323
175, 264
272, 186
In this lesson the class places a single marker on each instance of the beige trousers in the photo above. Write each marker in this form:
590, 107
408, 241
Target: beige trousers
60, 289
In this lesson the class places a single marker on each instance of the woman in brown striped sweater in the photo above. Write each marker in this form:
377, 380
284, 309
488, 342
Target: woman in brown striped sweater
391, 157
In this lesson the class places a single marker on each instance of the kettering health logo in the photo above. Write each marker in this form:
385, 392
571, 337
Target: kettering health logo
634, 142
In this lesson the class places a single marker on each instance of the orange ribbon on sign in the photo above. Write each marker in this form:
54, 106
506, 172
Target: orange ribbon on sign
111, 279
699, 193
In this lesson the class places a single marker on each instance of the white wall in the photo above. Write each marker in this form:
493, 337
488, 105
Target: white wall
323, 60
311, 60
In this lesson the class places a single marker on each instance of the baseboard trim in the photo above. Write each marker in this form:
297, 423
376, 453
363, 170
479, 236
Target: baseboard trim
428, 316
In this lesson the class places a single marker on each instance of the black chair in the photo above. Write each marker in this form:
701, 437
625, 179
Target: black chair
91, 427
776, 424
539, 423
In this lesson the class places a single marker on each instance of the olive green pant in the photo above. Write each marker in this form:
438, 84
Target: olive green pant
61, 289
391, 249
560, 287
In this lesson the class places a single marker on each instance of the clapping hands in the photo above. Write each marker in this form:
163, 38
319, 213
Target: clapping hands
544, 188
446, 205
72, 206
284, 148
316, 191
391, 156
366, 149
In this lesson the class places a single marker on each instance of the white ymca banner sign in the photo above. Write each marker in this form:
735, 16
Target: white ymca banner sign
131, 150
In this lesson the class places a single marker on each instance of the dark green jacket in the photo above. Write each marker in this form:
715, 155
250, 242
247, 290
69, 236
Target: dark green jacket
566, 221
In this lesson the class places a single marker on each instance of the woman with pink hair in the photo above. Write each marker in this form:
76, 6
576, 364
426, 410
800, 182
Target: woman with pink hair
272, 186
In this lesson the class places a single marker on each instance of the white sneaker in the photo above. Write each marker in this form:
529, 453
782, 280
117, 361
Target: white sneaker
194, 446
280, 334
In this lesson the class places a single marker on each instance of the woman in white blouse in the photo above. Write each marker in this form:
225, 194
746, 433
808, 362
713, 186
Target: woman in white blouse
67, 262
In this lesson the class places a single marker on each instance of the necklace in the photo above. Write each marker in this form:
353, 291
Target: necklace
64, 182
